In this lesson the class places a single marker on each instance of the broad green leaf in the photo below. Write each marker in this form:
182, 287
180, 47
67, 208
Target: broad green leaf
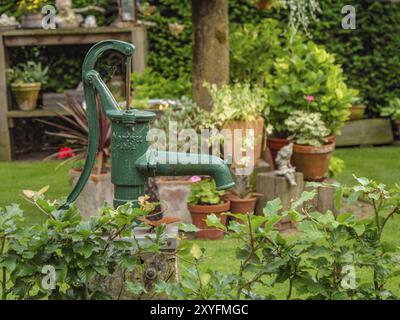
338, 198
363, 181
196, 251
188, 227
205, 279
213, 221
305, 196
273, 207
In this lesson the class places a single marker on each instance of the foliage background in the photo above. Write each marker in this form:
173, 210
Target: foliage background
369, 54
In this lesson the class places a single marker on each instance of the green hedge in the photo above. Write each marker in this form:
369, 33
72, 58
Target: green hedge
369, 55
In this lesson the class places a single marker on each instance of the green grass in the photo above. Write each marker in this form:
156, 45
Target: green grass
381, 164
17, 176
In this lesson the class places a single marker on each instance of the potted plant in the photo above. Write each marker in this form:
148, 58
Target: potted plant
392, 110
240, 106
32, 17
241, 196
357, 110
204, 199
306, 77
26, 80
312, 149
74, 130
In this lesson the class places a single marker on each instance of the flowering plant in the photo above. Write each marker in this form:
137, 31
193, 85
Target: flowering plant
307, 128
31, 6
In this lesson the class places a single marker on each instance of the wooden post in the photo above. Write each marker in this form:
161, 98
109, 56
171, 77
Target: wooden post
139, 39
5, 147
210, 47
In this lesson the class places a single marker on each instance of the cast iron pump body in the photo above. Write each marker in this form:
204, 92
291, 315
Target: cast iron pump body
132, 160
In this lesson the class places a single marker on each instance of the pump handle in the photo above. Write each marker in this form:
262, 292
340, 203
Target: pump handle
92, 83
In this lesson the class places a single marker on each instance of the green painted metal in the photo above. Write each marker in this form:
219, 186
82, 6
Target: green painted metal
132, 160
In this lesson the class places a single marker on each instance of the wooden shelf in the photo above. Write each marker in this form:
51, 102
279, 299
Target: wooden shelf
38, 37
135, 34
35, 113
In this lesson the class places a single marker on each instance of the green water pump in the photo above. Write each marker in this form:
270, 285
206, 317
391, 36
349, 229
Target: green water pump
132, 160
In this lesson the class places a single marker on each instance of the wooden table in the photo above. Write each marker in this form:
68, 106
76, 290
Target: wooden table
57, 37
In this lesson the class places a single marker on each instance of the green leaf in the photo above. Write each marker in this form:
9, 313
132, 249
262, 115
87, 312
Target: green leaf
86, 250
213, 221
363, 181
305, 196
135, 287
188, 227
196, 251
273, 207
205, 279
338, 198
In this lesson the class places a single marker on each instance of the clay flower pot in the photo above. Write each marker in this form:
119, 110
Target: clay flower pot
242, 205
32, 21
357, 111
26, 95
313, 161
199, 215
258, 127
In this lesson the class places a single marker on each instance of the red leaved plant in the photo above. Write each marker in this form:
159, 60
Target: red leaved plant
75, 131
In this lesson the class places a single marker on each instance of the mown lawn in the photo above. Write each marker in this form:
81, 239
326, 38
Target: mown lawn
381, 164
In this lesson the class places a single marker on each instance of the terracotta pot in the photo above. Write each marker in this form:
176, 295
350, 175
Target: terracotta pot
258, 127
199, 215
97, 190
357, 112
239, 205
26, 95
275, 144
32, 21
313, 161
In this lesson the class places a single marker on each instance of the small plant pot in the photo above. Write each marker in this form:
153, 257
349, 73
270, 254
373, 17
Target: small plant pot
32, 21
313, 161
26, 95
199, 215
357, 112
239, 205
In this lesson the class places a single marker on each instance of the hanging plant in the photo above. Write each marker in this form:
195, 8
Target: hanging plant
176, 28
301, 12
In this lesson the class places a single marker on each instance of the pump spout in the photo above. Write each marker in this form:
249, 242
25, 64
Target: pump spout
162, 163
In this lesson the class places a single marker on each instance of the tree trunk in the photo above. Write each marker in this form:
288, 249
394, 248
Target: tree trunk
210, 47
